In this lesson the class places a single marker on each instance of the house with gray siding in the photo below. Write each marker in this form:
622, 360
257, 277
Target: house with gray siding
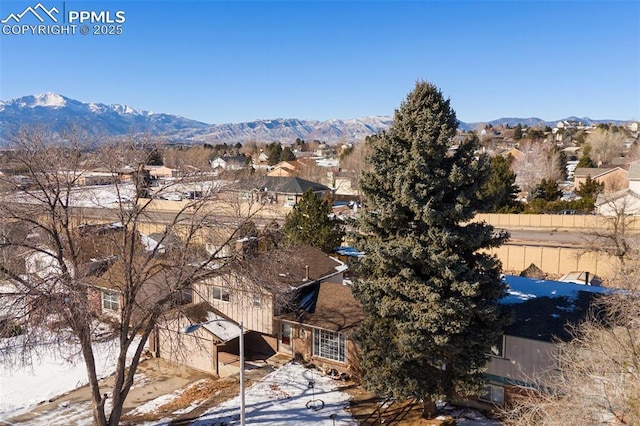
540, 312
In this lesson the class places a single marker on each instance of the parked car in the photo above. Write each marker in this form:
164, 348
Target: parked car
567, 212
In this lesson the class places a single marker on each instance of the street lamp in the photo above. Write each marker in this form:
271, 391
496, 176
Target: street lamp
193, 327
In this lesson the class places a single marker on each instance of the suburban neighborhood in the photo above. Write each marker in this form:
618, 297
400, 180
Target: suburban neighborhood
421, 213
212, 248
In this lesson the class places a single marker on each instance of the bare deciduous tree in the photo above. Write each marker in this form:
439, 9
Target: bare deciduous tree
58, 237
616, 236
539, 162
354, 164
605, 145
598, 375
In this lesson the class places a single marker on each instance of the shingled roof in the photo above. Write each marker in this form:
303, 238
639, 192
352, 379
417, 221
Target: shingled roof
330, 306
283, 185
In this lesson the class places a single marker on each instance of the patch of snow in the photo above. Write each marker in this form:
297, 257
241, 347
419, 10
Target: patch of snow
282, 398
52, 371
154, 404
150, 244
522, 289
48, 100
221, 327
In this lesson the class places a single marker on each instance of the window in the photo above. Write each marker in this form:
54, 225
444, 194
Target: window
257, 300
111, 301
330, 345
219, 293
493, 393
497, 349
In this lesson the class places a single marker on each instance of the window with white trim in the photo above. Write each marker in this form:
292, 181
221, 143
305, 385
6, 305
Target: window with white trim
493, 393
110, 301
330, 345
219, 293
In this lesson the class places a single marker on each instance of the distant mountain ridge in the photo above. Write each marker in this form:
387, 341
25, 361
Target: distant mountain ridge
59, 112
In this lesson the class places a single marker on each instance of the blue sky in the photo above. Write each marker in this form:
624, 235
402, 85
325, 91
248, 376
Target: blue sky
221, 62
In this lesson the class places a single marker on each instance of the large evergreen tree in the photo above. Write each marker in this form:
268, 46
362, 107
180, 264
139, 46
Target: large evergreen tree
310, 223
427, 287
500, 191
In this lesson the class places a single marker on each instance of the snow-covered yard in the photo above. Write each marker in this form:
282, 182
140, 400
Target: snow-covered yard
283, 397
52, 371
292, 395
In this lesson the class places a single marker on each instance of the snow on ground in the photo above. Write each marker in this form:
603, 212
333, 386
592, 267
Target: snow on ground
52, 371
282, 398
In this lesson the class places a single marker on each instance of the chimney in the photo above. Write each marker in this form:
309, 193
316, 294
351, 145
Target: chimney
586, 278
306, 272
247, 247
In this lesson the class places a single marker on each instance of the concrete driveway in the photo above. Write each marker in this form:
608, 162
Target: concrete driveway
155, 378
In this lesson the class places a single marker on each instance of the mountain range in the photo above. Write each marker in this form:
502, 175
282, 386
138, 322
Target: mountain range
58, 112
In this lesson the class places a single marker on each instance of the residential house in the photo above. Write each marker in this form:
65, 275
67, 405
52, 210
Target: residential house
88, 178
625, 201
213, 347
288, 168
154, 281
541, 311
230, 162
613, 178
263, 292
318, 329
515, 153
286, 191
125, 174
344, 184
161, 172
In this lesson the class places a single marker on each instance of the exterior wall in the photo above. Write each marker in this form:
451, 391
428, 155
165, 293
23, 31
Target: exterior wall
98, 179
344, 187
523, 359
282, 171
613, 181
628, 204
302, 345
196, 350
161, 172
241, 306
95, 300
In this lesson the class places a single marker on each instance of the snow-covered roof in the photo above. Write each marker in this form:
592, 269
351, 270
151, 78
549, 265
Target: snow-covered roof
221, 327
543, 309
522, 289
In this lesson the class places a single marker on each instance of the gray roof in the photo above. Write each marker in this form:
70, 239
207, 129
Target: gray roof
284, 185
591, 171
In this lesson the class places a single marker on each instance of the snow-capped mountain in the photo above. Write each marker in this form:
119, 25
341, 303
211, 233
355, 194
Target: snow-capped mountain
58, 112
288, 130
